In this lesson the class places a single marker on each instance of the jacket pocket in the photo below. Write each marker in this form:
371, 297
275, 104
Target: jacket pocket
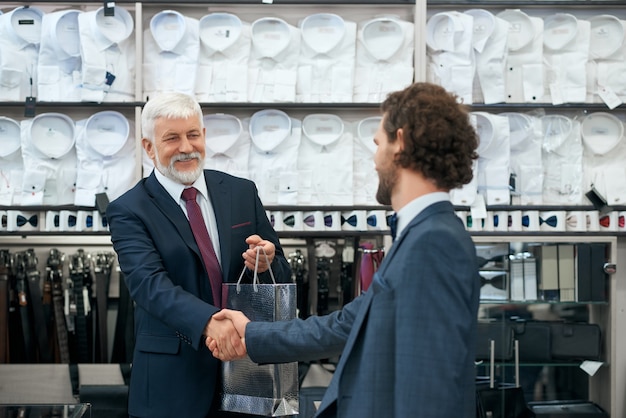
157, 344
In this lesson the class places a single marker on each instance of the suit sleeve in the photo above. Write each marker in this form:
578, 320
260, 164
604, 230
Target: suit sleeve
314, 338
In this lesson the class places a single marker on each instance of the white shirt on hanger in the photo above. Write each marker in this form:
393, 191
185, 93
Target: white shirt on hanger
489, 40
562, 160
273, 64
524, 77
59, 68
105, 150
450, 52
227, 144
225, 44
384, 58
365, 176
170, 54
11, 162
108, 55
20, 34
273, 161
49, 160
606, 67
325, 161
526, 167
326, 63
566, 52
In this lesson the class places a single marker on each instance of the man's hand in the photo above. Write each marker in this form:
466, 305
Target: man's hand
223, 332
249, 257
239, 321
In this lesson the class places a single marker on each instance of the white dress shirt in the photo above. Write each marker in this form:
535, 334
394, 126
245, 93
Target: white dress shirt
171, 46
11, 163
59, 68
273, 65
326, 63
566, 52
562, 160
225, 44
384, 58
489, 41
105, 149
526, 167
49, 160
524, 77
107, 48
20, 34
604, 153
365, 176
606, 67
493, 157
325, 160
227, 144
450, 52
273, 161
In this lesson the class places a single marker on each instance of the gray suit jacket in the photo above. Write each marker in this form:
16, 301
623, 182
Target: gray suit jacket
407, 345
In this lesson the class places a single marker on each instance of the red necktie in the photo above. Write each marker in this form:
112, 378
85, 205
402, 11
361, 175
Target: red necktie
200, 233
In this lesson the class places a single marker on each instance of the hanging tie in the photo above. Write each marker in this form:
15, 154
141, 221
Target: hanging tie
200, 233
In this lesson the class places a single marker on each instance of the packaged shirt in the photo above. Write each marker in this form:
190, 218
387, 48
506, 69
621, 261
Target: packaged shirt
604, 153
105, 150
49, 160
384, 58
227, 144
325, 160
489, 42
326, 62
525, 138
273, 161
20, 34
450, 53
524, 78
364, 170
225, 43
562, 160
171, 46
566, 52
59, 69
11, 163
107, 50
273, 64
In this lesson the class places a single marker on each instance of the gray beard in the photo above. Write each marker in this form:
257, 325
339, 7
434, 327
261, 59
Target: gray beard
184, 177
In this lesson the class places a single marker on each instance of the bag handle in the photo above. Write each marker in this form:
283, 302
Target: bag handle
255, 280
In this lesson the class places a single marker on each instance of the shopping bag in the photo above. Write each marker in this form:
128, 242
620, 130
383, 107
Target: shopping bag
261, 389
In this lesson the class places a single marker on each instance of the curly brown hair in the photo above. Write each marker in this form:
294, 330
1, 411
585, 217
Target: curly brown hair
440, 141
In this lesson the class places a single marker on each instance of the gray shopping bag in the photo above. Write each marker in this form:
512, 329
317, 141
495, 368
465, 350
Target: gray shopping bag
261, 389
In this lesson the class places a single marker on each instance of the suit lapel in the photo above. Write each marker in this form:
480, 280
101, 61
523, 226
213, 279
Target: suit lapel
222, 207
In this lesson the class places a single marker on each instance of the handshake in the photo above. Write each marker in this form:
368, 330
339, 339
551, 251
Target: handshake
226, 333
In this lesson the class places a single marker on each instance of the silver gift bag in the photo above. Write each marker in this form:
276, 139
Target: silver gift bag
268, 389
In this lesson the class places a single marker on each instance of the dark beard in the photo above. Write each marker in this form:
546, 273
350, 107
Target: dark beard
386, 182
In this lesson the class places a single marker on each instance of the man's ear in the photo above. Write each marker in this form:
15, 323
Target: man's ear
149, 147
399, 143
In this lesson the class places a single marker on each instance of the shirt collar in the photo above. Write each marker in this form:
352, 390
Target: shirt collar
220, 31
110, 30
270, 36
63, 30
52, 134
365, 131
323, 130
27, 16
601, 132
386, 28
483, 27
556, 131
521, 28
175, 189
169, 28
106, 132
222, 133
521, 130
559, 30
445, 30
416, 206
269, 128
607, 36
323, 32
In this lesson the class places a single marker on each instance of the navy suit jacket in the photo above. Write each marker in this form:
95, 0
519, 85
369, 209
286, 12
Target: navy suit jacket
173, 373
407, 344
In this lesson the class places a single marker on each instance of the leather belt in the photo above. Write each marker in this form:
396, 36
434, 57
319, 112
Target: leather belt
54, 269
102, 269
36, 302
4, 306
81, 284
